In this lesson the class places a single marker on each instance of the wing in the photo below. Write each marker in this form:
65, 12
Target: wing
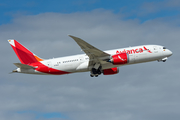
95, 55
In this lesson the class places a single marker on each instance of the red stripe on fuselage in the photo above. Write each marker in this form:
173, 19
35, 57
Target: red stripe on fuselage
45, 69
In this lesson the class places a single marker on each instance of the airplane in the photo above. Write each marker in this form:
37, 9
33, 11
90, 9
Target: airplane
94, 60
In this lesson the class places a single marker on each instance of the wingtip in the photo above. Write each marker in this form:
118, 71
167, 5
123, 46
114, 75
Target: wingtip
70, 35
73, 36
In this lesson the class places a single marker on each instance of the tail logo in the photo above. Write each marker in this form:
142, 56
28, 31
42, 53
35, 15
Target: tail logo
24, 55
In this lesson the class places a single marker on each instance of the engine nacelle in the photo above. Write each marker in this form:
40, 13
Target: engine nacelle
119, 59
111, 71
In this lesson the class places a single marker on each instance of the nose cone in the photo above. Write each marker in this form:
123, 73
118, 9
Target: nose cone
168, 53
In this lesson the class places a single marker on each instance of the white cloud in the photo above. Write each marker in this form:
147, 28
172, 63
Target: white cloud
143, 91
155, 7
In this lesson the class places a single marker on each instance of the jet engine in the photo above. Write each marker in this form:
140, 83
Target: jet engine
118, 59
111, 71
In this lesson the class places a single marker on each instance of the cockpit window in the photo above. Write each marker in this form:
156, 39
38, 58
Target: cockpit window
164, 47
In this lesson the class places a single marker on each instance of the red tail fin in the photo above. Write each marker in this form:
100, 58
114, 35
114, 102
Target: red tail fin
24, 55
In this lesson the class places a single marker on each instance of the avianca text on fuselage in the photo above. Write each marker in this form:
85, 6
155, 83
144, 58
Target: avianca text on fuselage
94, 60
133, 51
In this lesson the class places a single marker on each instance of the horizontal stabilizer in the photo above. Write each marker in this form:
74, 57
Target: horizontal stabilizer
19, 65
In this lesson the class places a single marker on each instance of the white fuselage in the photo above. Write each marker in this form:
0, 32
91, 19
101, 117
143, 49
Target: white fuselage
80, 63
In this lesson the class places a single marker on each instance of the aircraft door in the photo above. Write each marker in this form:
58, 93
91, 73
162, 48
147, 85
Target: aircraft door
49, 64
81, 59
155, 49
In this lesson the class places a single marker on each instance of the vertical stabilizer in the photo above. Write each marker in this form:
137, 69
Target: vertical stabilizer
24, 55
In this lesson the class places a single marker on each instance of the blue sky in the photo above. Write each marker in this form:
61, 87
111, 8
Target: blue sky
147, 91
39, 115
131, 8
